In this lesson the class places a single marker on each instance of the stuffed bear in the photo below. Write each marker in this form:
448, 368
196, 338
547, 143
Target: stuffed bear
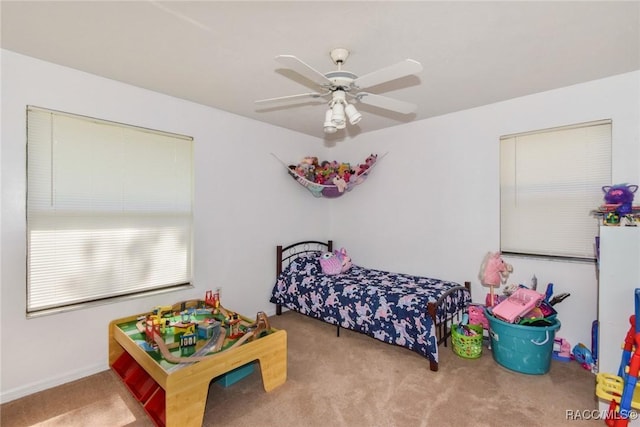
622, 195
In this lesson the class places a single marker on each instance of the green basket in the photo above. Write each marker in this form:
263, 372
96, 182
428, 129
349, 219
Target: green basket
469, 347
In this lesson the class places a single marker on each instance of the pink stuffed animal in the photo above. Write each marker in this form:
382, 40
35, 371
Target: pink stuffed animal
345, 260
494, 271
330, 263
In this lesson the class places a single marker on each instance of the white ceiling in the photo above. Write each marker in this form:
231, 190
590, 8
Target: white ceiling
221, 54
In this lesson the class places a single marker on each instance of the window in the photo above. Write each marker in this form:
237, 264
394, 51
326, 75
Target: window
109, 210
550, 181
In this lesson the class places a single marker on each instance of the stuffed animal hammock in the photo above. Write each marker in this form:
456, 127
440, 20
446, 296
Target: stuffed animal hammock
338, 186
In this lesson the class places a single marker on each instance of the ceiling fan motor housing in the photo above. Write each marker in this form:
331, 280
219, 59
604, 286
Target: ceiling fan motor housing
339, 55
340, 80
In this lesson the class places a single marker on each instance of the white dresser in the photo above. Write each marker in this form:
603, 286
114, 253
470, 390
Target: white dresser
619, 276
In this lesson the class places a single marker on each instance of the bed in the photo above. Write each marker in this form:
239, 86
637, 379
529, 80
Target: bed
409, 311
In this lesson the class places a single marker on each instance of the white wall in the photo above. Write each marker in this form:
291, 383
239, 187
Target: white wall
239, 215
432, 205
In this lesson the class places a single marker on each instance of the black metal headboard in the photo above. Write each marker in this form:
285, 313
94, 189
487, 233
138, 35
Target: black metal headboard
286, 254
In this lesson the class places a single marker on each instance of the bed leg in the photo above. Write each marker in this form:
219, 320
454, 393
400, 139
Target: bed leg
278, 309
433, 365
338, 331
432, 310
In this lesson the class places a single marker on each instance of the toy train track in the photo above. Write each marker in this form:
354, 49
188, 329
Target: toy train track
213, 345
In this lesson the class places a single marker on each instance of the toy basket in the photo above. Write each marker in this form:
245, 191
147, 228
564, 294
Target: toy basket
468, 347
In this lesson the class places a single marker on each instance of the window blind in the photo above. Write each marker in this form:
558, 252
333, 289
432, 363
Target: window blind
550, 181
109, 210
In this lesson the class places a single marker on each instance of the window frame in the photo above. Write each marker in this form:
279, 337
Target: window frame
545, 239
138, 220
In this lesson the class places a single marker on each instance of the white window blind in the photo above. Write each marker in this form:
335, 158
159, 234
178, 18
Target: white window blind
109, 210
550, 181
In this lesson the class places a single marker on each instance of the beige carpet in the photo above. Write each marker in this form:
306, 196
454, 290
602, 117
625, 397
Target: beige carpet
352, 380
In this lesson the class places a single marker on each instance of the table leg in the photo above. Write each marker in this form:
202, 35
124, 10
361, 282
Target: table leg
186, 408
273, 362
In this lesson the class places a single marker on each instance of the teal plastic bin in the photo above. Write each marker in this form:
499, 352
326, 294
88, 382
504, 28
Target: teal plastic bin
236, 375
520, 348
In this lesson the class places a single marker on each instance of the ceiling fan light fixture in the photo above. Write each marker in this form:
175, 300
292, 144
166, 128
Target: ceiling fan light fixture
337, 116
329, 127
353, 114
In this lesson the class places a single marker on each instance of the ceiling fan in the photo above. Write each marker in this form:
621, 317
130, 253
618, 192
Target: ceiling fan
340, 86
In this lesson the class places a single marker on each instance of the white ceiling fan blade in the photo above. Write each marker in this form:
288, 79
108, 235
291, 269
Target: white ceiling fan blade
303, 69
392, 72
288, 98
386, 103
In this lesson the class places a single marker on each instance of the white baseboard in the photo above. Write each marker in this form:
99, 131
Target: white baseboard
272, 312
34, 387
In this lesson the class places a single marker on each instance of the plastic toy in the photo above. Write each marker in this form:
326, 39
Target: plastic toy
583, 356
463, 327
233, 321
541, 315
561, 350
494, 272
477, 317
594, 340
620, 389
548, 292
550, 299
518, 304
612, 218
559, 298
212, 299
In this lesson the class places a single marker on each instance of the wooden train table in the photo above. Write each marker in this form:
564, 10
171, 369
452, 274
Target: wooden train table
168, 357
